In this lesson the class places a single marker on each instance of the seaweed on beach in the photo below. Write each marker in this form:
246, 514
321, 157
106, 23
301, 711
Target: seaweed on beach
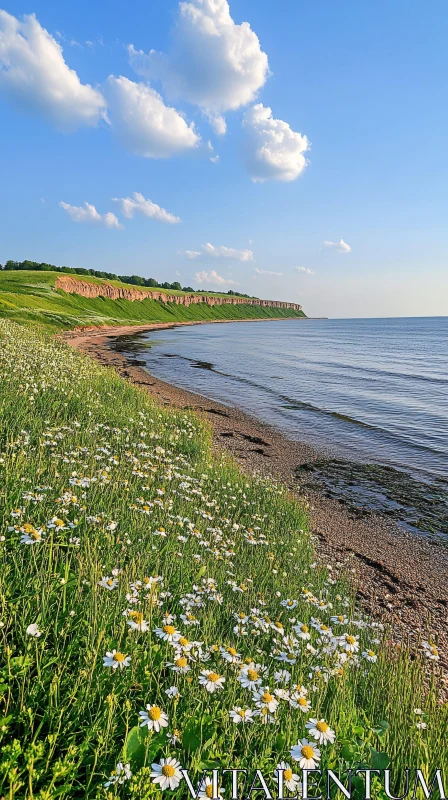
415, 504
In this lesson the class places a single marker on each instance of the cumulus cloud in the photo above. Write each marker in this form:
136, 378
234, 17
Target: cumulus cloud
341, 246
35, 77
220, 252
144, 124
274, 150
267, 272
88, 213
307, 270
138, 204
213, 62
212, 278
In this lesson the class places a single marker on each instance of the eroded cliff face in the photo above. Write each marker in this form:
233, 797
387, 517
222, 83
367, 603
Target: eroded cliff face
87, 289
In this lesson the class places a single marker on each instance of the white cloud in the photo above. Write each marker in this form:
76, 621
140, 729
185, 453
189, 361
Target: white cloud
307, 270
267, 272
213, 279
213, 62
35, 77
341, 246
220, 252
274, 150
138, 204
90, 214
144, 124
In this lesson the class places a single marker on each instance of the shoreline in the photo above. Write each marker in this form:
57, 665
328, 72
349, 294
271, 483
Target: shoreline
400, 577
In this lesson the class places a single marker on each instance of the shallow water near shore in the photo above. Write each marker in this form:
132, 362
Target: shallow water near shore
372, 395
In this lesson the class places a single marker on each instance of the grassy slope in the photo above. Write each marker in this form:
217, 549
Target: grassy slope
127, 479
31, 297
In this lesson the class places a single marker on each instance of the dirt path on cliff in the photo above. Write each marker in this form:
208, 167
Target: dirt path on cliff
400, 578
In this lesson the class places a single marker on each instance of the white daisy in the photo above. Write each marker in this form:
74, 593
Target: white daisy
370, 655
211, 680
306, 753
320, 731
302, 631
154, 718
119, 775
244, 715
108, 583
206, 790
290, 779
33, 630
251, 675
116, 660
264, 699
167, 774
168, 633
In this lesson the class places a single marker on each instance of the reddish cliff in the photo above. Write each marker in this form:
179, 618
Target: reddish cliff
87, 289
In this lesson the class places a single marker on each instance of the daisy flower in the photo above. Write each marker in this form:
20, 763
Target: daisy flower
206, 790
108, 583
154, 718
282, 676
238, 714
290, 779
180, 665
431, 651
264, 699
211, 680
302, 631
306, 753
251, 675
136, 621
370, 655
119, 775
320, 731
173, 691
349, 643
230, 654
167, 774
116, 660
168, 633
31, 535
299, 701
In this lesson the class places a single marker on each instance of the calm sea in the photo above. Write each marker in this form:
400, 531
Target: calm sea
373, 391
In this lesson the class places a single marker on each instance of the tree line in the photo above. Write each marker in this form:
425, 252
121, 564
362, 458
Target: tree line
135, 280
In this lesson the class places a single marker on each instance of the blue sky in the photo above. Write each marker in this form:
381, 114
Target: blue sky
365, 83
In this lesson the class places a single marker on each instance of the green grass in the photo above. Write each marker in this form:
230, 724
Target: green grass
108, 485
30, 297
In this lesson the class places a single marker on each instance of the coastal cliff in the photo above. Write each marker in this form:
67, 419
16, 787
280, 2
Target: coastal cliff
104, 289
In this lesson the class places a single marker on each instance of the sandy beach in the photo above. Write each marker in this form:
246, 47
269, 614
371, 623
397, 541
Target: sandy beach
400, 577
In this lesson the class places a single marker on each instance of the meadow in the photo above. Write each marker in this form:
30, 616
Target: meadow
160, 609
31, 297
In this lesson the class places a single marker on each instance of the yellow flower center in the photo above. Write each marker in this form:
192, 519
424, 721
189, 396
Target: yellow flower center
110, 582
213, 677
290, 656
241, 616
59, 522
170, 629
35, 535
252, 674
181, 662
231, 651
340, 618
267, 697
324, 628
242, 712
307, 751
350, 639
155, 713
183, 641
28, 528
287, 773
138, 617
434, 650
119, 657
322, 727
370, 653
302, 701
209, 790
168, 771
304, 628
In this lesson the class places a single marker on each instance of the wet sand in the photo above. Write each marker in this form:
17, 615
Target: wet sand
401, 578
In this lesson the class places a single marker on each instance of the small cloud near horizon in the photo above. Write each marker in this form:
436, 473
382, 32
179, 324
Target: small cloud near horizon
307, 270
88, 213
341, 246
219, 251
213, 279
267, 272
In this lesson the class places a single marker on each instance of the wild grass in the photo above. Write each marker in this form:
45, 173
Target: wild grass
117, 521
30, 297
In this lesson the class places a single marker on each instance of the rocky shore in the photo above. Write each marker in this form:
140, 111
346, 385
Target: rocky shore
400, 577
